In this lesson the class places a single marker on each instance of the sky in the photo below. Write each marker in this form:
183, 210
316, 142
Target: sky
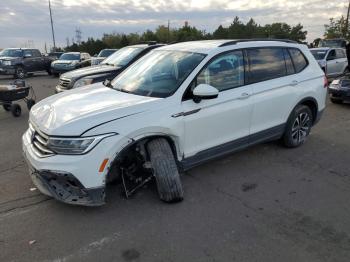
27, 22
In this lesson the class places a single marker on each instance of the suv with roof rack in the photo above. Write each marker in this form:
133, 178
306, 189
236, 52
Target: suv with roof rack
175, 108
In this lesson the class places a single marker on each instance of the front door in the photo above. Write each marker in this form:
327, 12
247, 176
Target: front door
222, 122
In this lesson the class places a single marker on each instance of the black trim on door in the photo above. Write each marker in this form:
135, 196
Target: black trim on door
270, 134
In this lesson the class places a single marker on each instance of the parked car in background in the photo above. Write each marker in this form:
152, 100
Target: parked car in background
339, 90
177, 107
108, 69
102, 56
335, 43
333, 61
21, 61
55, 55
69, 61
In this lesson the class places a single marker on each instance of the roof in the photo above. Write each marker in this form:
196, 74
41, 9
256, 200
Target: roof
320, 48
206, 46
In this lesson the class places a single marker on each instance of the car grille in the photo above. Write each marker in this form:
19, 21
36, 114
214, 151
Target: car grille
40, 142
64, 82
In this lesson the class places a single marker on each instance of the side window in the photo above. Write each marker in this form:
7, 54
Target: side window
339, 53
331, 55
299, 59
36, 53
266, 64
224, 72
27, 53
289, 63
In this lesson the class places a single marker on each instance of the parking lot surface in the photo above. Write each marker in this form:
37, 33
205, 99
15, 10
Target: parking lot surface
266, 203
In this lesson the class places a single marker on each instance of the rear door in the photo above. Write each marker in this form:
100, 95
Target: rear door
341, 61
272, 79
38, 60
332, 64
28, 61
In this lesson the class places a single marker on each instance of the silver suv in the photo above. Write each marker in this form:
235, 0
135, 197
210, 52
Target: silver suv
333, 61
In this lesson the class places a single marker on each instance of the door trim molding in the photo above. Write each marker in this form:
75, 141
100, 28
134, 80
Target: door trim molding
270, 134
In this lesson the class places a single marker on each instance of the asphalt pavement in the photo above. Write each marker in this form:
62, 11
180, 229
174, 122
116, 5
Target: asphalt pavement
266, 203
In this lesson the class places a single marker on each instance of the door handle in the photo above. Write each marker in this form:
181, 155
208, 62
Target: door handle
244, 95
294, 83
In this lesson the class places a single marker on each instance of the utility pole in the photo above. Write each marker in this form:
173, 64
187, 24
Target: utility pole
169, 30
53, 33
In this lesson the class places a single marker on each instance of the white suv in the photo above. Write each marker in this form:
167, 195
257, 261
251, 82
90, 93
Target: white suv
175, 108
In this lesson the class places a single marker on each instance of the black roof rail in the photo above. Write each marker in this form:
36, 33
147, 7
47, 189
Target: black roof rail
233, 42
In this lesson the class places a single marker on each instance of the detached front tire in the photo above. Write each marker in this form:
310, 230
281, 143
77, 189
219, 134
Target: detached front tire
165, 170
298, 126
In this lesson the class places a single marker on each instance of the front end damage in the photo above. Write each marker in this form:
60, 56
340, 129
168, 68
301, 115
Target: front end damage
66, 188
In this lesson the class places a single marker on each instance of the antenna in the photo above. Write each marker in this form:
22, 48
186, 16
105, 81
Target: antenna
53, 33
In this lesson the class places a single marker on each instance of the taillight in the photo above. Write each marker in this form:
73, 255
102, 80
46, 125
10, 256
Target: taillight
325, 82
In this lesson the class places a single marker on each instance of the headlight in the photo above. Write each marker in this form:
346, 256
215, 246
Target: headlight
83, 82
7, 63
74, 146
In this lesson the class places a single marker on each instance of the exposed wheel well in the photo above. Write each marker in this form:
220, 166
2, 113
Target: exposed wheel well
312, 104
143, 141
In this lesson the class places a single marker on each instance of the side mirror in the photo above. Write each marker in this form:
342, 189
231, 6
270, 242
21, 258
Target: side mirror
204, 91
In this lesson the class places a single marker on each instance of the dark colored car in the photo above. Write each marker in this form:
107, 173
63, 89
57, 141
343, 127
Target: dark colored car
108, 69
55, 55
102, 56
69, 61
339, 90
20, 61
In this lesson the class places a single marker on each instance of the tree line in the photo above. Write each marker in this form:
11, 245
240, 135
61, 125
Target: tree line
162, 34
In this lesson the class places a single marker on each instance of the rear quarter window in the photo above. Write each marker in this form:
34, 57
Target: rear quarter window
299, 60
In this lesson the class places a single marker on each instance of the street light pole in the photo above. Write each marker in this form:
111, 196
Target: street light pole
53, 32
347, 22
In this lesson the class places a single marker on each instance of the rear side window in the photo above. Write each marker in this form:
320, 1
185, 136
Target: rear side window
266, 64
340, 53
298, 59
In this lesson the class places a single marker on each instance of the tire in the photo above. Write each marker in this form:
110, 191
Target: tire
56, 74
20, 72
16, 110
7, 107
30, 103
165, 170
336, 101
346, 71
49, 72
298, 126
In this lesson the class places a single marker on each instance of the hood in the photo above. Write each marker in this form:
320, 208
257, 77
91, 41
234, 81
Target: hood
8, 58
72, 112
90, 70
65, 61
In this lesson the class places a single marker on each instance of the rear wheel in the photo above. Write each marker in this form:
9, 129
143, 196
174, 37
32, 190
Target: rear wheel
165, 170
49, 72
298, 126
20, 73
16, 110
336, 101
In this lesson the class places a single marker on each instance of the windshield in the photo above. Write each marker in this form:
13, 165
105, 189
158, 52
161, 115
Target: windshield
106, 53
70, 56
158, 74
11, 53
332, 43
319, 54
123, 56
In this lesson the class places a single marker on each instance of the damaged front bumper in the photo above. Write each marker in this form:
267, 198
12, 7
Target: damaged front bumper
66, 188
